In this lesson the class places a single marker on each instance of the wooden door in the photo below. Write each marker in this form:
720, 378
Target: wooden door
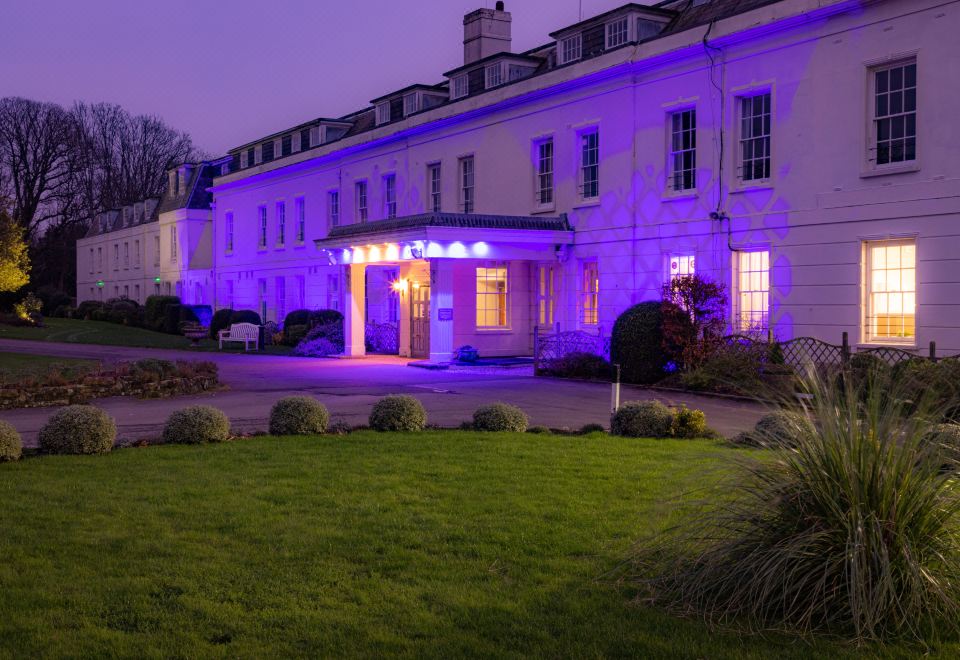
420, 322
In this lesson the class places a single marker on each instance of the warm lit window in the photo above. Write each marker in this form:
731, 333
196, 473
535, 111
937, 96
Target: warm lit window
753, 289
461, 86
570, 49
546, 294
281, 223
891, 281
492, 296
390, 196
589, 293
262, 232
681, 265
466, 185
545, 173
755, 137
683, 150
333, 208
301, 219
895, 113
494, 75
360, 194
617, 32
590, 165
433, 174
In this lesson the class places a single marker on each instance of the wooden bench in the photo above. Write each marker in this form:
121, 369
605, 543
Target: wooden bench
245, 333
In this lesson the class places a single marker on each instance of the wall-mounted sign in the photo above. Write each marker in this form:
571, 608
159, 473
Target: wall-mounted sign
445, 314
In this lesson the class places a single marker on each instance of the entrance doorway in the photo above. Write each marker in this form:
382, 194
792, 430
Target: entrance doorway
420, 322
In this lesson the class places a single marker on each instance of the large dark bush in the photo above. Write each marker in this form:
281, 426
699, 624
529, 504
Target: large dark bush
122, 311
220, 321
587, 366
86, 309
245, 316
297, 317
78, 430
155, 311
637, 344
52, 298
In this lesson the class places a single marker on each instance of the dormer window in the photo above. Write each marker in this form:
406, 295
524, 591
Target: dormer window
383, 113
411, 104
647, 29
461, 86
494, 75
617, 32
571, 49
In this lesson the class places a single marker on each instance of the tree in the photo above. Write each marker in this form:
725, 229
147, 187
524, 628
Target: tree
14, 260
694, 317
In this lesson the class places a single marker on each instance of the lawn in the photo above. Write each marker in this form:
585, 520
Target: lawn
442, 544
75, 331
29, 364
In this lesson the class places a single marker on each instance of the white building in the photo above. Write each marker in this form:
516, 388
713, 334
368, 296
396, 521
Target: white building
802, 152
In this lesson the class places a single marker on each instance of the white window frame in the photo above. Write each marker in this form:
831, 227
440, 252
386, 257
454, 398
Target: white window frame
459, 86
467, 179
383, 113
262, 307
281, 215
543, 182
908, 116
262, 227
156, 251
899, 279
501, 298
126, 255
92, 263
333, 208
546, 285
617, 32
300, 203
589, 289
746, 135
681, 142
751, 273
173, 244
280, 294
136, 253
583, 163
434, 187
361, 194
411, 103
390, 196
681, 265
570, 49
493, 75
228, 232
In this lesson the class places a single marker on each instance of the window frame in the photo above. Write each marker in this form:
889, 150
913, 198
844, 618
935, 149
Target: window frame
300, 206
681, 264
582, 165
389, 196
383, 114
571, 48
871, 150
612, 29
460, 86
502, 306
673, 153
434, 187
588, 316
333, 209
361, 200
868, 336
740, 100
174, 248
546, 283
467, 196
737, 306
280, 211
544, 179
493, 75
262, 227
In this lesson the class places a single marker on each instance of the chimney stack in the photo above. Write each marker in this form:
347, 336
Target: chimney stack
486, 32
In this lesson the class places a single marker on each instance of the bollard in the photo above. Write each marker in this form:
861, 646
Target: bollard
615, 389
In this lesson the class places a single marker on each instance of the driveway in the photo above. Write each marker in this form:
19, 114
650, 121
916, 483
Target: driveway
349, 387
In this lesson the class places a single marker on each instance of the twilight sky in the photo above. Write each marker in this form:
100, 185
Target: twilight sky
229, 71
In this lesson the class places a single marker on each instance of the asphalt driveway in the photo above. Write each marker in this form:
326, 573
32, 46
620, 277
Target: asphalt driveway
349, 387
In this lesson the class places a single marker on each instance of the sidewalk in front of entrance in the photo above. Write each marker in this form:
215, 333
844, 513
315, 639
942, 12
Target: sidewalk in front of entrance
350, 387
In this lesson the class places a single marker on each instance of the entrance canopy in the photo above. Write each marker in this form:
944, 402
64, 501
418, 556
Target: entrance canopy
447, 236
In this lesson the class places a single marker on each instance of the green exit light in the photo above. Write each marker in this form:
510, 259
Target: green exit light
157, 280
100, 283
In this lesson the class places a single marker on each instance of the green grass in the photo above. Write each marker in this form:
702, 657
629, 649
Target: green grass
441, 544
75, 331
29, 364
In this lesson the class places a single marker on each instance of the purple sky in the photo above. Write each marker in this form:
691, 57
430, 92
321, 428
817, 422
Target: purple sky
229, 71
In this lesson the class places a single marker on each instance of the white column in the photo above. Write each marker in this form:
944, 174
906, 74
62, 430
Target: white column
441, 310
354, 285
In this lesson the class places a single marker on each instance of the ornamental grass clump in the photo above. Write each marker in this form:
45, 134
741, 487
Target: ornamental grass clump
853, 530
500, 417
78, 430
398, 412
298, 415
196, 425
11, 447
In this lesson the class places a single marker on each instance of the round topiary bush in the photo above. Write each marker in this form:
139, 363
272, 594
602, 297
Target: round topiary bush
298, 415
398, 412
78, 430
688, 423
220, 321
11, 447
500, 417
636, 344
781, 428
642, 419
195, 425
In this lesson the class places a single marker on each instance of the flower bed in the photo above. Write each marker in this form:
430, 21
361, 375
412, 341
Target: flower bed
143, 378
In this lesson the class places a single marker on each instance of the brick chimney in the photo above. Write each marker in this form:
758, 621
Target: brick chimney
486, 32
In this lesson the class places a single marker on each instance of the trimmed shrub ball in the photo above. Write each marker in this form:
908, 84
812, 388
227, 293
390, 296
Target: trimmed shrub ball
688, 423
195, 425
78, 430
298, 415
642, 419
636, 344
781, 428
398, 412
500, 417
11, 447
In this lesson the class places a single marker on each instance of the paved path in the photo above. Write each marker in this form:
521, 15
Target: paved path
349, 387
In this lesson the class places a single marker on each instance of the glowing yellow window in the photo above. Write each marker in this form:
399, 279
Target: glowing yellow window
891, 281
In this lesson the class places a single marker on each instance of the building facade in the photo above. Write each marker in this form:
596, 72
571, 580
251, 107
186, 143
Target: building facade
801, 152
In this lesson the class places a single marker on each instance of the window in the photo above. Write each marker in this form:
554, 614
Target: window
136, 253
590, 293
570, 49
173, 244
91, 260
683, 150
466, 185
333, 208
229, 295
304, 139
895, 113
126, 291
262, 227
262, 299
361, 200
545, 172
333, 292
461, 86
281, 286
281, 223
286, 145
682, 265
755, 137
116, 256
891, 282
126, 255
494, 75
301, 220
156, 250
411, 103
433, 175
251, 152
753, 289
492, 296
301, 292
100, 256
383, 113
647, 29
546, 293
266, 151
617, 32
228, 222
390, 196
590, 165
136, 292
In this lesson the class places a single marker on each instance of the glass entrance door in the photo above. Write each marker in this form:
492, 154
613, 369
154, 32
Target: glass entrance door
420, 322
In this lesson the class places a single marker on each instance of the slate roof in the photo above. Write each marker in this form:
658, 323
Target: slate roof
194, 194
457, 220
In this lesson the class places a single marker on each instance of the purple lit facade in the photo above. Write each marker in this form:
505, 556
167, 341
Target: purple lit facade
802, 152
